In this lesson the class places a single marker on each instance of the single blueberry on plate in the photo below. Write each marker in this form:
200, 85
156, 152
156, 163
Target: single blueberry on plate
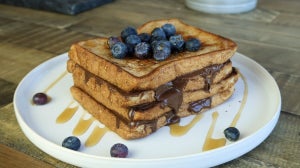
40, 98
169, 29
145, 37
192, 44
119, 50
128, 31
177, 43
71, 142
119, 150
132, 40
112, 40
158, 34
232, 133
142, 50
161, 50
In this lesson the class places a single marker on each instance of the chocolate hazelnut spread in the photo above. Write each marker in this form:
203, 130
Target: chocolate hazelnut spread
170, 94
171, 118
197, 106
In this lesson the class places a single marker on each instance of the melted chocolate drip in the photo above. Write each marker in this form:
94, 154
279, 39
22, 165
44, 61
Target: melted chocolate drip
197, 106
143, 107
163, 88
171, 98
171, 118
209, 73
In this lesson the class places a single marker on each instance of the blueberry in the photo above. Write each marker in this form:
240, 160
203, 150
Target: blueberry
161, 50
192, 44
132, 40
40, 98
130, 50
145, 37
158, 34
119, 50
153, 39
112, 40
232, 133
128, 31
142, 50
71, 142
119, 150
177, 43
169, 29
155, 42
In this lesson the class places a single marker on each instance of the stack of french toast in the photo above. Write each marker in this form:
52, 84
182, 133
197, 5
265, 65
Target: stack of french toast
135, 97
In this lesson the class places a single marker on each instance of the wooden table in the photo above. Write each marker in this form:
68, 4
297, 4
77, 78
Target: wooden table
269, 35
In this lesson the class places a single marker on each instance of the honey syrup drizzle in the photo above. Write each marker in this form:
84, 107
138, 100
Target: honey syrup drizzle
175, 129
67, 114
244, 100
56, 81
210, 142
178, 130
96, 136
83, 125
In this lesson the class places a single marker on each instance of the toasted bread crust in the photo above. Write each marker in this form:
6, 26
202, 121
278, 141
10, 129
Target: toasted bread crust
121, 126
146, 74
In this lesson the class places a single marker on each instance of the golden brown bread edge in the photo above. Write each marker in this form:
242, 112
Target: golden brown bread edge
134, 131
131, 74
111, 97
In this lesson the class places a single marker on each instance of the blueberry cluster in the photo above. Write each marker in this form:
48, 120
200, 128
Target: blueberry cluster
159, 44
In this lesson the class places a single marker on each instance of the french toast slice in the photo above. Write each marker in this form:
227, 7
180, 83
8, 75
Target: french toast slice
131, 74
144, 104
136, 129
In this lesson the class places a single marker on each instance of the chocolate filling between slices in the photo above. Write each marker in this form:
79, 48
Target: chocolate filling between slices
171, 117
170, 94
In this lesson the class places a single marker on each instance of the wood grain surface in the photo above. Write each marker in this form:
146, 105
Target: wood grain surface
270, 35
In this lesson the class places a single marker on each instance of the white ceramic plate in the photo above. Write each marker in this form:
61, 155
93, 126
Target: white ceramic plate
257, 91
